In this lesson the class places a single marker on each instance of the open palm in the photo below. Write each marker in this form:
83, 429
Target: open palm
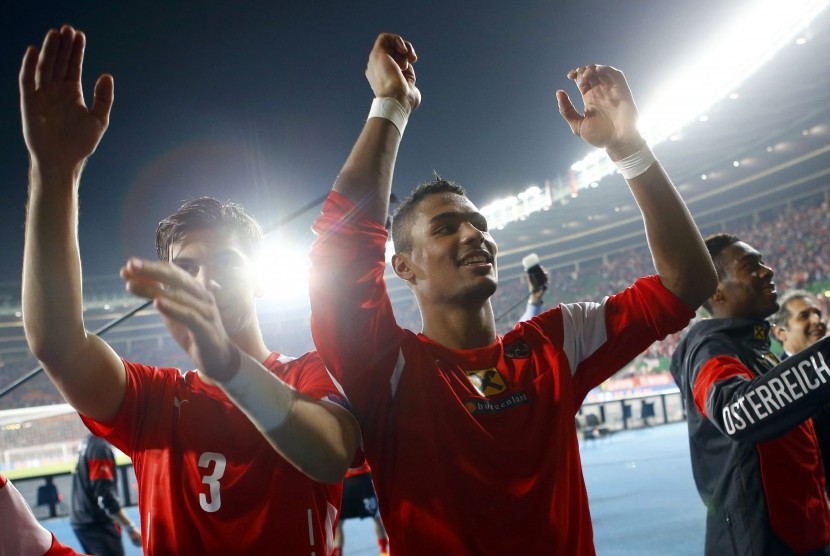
610, 117
59, 130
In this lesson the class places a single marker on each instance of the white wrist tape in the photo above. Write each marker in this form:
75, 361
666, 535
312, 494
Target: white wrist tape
633, 165
390, 109
264, 398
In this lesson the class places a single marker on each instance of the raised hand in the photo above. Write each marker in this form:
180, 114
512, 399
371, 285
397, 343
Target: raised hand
60, 132
390, 71
188, 309
610, 118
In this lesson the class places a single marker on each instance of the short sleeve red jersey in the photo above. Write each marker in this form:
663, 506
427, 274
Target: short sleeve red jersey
209, 482
472, 452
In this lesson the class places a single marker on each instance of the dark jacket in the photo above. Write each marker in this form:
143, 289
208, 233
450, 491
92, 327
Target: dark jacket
754, 450
94, 484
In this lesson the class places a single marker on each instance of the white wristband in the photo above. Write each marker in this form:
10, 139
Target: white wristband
390, 109
633, 165
264, 398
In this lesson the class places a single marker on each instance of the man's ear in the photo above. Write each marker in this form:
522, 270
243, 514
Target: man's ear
718, 297
403, 267
780, 333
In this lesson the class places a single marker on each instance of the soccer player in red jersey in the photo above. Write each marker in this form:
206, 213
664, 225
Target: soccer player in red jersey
209, 481
471, 436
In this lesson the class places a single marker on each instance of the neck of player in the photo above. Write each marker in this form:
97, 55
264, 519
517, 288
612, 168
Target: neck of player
459, 326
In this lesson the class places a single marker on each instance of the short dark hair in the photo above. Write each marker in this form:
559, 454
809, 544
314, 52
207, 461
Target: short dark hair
781, 316
402, 219
208, 213
715, 244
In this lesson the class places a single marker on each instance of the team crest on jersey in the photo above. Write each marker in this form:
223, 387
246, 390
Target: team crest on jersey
760, 332
487, 382
517, 350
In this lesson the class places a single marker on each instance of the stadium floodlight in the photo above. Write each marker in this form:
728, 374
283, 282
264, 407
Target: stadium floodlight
736, 52
282, 270
517, 207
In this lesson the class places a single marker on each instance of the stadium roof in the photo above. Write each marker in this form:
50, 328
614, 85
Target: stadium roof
767, 143
776, 128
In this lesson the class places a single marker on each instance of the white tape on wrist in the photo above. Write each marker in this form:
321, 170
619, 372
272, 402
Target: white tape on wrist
633, 165
265, 399
390, 109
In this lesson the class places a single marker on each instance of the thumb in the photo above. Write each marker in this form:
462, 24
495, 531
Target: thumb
568, 111
102, 100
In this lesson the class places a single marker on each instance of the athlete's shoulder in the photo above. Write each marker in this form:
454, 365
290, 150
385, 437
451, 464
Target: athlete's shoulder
281, 364
152, 371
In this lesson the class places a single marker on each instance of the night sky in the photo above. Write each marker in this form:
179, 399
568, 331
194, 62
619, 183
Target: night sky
260, 102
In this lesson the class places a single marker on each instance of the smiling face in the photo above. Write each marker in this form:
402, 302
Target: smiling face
746, 289
216, 259
451, 256
804, 325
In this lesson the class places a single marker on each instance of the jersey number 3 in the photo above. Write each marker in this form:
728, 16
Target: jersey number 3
211, 502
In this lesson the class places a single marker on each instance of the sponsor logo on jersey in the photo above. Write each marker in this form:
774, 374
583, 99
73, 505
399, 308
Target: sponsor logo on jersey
517, 350
480, 405
487, 382
759, 332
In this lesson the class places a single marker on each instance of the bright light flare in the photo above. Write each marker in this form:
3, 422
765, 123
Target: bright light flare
517, 207
735, 52
282, 271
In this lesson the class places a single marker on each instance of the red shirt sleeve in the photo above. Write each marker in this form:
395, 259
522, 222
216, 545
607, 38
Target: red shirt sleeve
721, 367
352, 321
144, 387
310, 377
600, 338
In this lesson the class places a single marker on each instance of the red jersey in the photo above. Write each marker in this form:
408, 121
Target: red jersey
472, 451
209, 482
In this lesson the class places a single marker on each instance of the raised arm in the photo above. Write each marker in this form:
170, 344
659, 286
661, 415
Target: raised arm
61, 133
750, 408
610, 122
366, 177
318, 437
